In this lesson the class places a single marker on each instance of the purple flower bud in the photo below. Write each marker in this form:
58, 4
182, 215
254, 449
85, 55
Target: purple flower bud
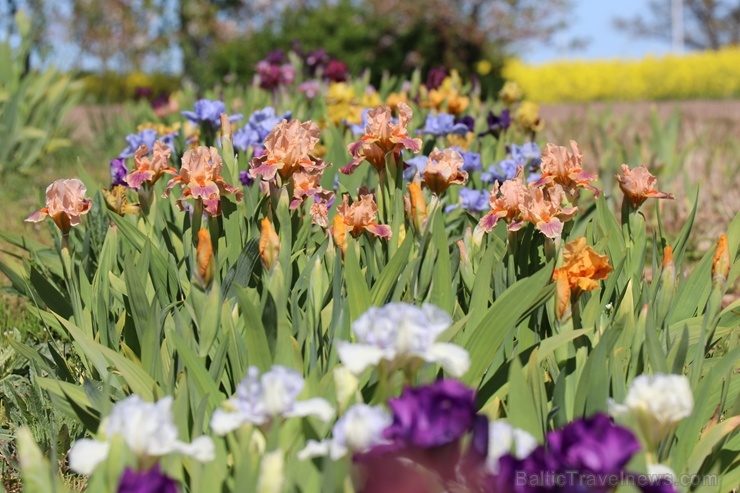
497, 123
275, 57
431, 415
151, 481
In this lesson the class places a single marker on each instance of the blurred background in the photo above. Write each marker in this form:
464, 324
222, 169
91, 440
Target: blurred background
127, 44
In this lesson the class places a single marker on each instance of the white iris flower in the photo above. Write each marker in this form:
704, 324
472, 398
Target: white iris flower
259, 399
147, 429
398, 332
358, 430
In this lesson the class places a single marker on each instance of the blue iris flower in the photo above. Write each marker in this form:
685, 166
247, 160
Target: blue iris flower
443, 124
208, 112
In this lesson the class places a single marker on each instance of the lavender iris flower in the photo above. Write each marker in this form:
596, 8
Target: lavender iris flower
471, 160
432, 415
527, 154
264, 120
245, 137
208, 112
151, 481
471, 200
147, 136
118, 171
443, 124
500, 172
416, 166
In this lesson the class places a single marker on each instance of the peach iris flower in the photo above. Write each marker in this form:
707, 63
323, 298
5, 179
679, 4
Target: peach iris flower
542, 206
443, 169
150, 170
287, 150
360, 216
565, 168
200, 175
307, 184
505, 201
319, 210
65, 203
582, 266
381, 137
638, 185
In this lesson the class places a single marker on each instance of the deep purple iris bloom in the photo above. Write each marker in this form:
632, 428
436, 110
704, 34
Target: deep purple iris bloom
471, 200
208, 112
336, 71
275, 57
118, 171
245, 178
586, 455
317, 59
151, 481
443, 124
468, 121
435, 77
147, 136
432, 415
497, 123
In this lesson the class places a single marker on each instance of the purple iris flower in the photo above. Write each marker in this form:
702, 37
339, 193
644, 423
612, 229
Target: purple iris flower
118, 171
431, 415
468, 121
151, 481
527, 154
245, 178
275, 57
584, 450
415, 166
317, 59
443, 124
497, 123
336, 71
435, 77
471, 160
147, 136
471, 200
208, 112
500, 172
245, 137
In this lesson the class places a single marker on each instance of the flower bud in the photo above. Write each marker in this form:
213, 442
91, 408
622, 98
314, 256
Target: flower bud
269, 244
339, 234
418, 206
721, 262
271, 477
204, 258
225, 126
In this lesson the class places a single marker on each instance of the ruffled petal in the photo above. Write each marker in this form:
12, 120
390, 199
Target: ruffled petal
86, 454
454, 359
312, 407
223, 422
357, 357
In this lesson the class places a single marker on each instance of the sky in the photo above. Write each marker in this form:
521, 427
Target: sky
593, 20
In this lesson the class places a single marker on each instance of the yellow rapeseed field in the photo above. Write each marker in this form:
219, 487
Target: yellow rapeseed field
705, 75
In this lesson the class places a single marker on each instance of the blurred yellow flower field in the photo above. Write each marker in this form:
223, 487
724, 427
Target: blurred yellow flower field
705, 75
